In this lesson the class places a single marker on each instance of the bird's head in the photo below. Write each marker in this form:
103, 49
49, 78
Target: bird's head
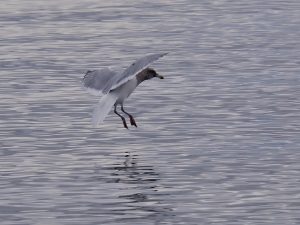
147, 74
151, 73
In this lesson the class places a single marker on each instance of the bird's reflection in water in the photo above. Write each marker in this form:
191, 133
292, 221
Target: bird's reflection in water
130, 160
131, 172
141, 189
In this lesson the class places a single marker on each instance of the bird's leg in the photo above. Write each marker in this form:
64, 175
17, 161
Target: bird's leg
123, 119
132, 121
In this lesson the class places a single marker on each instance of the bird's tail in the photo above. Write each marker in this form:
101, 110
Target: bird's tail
102, 108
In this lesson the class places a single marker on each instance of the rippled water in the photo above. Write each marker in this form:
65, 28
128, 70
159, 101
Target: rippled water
218, 140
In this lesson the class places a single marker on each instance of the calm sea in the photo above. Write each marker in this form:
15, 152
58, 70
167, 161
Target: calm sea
217, 141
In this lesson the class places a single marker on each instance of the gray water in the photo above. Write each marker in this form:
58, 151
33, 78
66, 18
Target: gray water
217, 140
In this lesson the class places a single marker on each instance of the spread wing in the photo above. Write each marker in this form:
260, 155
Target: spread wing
95, 81
131, 71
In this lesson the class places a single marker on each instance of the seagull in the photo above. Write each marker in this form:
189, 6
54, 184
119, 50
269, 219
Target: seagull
116, 87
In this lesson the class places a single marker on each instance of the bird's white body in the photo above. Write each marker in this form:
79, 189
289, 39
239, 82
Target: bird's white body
125, 90
115, 87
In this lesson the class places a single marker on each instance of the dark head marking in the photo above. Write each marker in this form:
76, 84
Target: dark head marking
147, 74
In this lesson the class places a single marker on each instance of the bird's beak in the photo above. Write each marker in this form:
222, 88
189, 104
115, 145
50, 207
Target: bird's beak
159, 76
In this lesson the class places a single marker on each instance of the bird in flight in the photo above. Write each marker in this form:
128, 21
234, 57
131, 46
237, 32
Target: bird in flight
116, 87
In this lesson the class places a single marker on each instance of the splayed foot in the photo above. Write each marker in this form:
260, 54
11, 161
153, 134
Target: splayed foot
132, 121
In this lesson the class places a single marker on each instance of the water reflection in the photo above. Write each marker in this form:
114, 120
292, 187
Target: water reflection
143, 184
132, 172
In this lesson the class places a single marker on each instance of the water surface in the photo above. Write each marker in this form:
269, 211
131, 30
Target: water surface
217, 140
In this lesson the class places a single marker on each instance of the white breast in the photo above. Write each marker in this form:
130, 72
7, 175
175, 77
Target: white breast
125, 90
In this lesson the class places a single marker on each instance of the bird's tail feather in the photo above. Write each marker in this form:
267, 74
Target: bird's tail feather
102, 108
